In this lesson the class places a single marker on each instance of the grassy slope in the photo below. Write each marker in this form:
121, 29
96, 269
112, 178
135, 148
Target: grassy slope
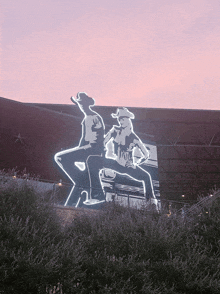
117, 250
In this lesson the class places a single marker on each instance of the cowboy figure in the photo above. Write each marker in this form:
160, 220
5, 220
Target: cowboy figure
124, 141
74, 161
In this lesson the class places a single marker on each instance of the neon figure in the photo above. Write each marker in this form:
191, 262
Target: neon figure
74, 161
125, 141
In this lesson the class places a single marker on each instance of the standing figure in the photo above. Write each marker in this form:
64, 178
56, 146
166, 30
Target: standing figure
124, 140
74, 161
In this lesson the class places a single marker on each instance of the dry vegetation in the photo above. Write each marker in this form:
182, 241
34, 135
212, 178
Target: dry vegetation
117, 250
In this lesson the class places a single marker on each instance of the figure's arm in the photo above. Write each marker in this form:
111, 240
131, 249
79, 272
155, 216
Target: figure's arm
108, 136
82, 139
97, 123
143, 149
74, 100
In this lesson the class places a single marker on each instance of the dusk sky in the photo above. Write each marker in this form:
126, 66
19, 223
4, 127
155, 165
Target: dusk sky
143, 53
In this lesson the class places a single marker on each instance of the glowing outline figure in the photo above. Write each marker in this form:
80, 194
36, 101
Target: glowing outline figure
73, 161
125, 141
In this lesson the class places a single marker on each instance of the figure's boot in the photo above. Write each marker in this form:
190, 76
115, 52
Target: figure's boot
96, 194
73, 196
154, 204
96, 197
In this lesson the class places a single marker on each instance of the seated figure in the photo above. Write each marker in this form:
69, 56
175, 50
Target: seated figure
124, 140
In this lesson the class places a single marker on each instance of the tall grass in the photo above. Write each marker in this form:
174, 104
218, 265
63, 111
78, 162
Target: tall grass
118, 250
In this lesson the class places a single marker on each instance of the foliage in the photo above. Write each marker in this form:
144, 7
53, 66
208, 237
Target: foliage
118, 250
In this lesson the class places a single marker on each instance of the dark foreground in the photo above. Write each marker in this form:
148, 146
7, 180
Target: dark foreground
116, 250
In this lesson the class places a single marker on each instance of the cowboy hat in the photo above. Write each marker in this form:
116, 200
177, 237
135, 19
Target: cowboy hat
83, 98
123, 111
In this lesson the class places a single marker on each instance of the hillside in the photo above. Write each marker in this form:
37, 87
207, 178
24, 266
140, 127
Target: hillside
30, 136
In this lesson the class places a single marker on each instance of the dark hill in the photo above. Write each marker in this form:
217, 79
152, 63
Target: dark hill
158, 124
43, 132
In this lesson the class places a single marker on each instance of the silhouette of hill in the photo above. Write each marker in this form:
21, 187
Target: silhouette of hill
31, 135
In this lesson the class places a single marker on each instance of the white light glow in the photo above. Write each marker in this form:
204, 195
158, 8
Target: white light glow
81, 165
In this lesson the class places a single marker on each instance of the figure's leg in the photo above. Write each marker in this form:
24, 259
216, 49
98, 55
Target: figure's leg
140, 174
94, 164
66, 160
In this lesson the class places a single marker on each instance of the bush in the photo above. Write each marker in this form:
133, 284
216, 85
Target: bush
29, 240
118, 250
129, 251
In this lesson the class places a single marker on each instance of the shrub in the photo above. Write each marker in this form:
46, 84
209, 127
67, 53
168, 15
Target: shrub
118, 250
130, 251
30, 240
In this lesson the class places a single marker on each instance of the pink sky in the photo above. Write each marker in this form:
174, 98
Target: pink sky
144, 53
